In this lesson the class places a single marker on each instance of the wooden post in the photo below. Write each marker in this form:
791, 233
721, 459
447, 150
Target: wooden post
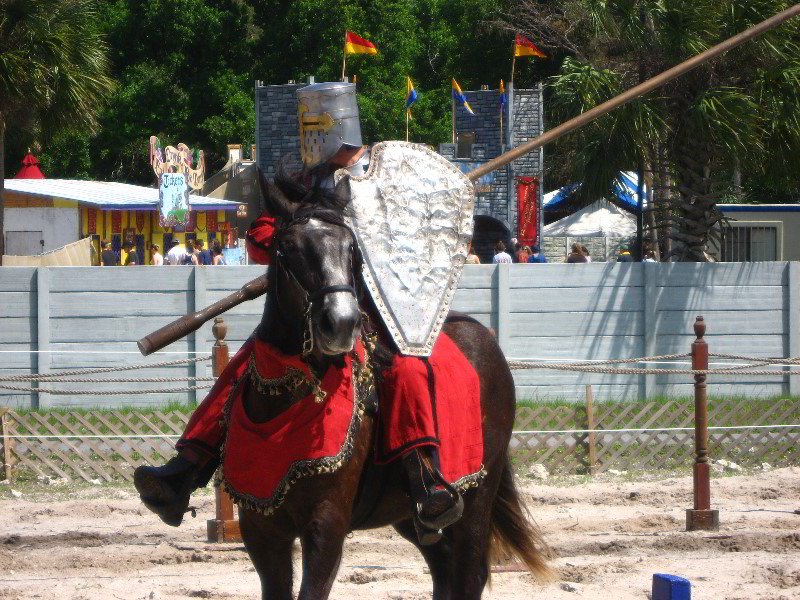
701, 517
4, 426
344, 56
591, 441
223, 528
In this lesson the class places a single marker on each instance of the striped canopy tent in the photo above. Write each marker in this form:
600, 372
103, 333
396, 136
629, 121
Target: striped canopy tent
625, 194
30, 168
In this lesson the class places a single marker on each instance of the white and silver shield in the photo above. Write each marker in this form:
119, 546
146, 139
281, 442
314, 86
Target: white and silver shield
412, 215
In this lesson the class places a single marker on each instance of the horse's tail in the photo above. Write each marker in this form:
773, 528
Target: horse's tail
513, 532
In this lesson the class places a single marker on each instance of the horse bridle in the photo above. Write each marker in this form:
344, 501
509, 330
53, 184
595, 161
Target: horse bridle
309, 298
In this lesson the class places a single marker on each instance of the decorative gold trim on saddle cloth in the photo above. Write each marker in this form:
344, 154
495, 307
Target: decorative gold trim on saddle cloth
363, 386
363, 381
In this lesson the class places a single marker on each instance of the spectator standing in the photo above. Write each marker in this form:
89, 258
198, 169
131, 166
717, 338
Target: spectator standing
576, 256
536, 256
585, 252
472, 258
203, 255
155, 256
650, 256
176, 253
524, 254
131, 258
107, 256
190, 258
500, 254
625, 254
217, 257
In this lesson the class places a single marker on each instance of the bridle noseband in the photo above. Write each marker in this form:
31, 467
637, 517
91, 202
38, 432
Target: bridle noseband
332, 217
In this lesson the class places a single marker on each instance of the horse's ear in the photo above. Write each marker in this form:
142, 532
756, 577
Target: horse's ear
274, 200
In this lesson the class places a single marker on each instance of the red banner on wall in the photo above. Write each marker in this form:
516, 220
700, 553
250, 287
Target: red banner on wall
211, 220
91, 220
527, 210
116, 221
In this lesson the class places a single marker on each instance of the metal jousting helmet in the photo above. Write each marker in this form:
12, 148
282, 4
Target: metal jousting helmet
327, 116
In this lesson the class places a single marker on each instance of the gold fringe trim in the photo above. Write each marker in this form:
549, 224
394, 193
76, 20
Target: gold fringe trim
363, 385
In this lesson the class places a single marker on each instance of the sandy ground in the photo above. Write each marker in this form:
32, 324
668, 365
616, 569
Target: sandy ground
609, 536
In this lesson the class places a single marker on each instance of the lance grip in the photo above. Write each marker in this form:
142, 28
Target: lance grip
185, 325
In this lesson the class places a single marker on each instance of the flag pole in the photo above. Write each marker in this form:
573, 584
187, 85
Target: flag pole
453, 115
513, 58
344, 52
407, 109
502, 110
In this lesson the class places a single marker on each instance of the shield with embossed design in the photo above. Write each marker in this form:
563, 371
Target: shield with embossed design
412, 215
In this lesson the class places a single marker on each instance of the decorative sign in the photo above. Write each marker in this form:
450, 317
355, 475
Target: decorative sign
173, 200
140, 221
211, 221
116, 221
178, 160
241, 210
129, 236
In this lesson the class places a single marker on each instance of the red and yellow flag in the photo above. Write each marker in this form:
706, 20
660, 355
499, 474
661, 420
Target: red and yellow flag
358, 45
524, 47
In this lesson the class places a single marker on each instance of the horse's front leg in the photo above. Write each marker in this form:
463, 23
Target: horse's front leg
270, 549
322, 541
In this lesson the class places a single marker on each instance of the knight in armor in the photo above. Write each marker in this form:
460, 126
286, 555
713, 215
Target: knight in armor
330, 139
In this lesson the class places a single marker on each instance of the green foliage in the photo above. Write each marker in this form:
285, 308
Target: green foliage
185, 70
431, 40
53, 71
53, 64
739, 111
67, 156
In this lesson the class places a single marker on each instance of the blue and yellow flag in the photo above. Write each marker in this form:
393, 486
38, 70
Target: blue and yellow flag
459, 97
411, 96
503, 98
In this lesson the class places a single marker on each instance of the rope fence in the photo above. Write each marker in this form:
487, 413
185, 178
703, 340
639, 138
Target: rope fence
575, 438
593, 366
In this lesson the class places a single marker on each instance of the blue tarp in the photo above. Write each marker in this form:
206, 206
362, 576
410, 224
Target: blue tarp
625, 194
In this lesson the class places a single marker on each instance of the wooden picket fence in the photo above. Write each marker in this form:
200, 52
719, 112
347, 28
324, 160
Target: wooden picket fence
108, 445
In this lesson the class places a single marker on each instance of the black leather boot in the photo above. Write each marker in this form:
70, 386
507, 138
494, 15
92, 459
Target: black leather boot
436, 503
166, 489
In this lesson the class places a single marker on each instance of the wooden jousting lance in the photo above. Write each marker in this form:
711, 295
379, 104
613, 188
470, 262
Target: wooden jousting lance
257, 287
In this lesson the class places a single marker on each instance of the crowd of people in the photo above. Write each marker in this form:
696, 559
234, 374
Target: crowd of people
532, 255
193, 253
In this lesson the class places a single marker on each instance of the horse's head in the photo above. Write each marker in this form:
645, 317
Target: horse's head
317, 265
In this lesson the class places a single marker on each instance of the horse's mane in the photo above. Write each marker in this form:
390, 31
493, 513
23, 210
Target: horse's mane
314, 195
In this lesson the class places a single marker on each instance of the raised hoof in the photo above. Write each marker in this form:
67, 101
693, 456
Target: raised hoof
440, 510
426, 536
168, 497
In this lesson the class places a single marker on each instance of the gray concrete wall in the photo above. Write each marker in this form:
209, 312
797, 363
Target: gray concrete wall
60, 318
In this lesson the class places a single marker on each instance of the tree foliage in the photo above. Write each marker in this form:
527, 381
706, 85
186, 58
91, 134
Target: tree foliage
53, 70
738, 112
185, 70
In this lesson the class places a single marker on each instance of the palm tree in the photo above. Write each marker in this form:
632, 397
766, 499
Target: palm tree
741, 109
53, 69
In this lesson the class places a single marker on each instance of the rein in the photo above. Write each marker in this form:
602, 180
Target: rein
302, 216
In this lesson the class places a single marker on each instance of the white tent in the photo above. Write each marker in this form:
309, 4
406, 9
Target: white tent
601, 219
